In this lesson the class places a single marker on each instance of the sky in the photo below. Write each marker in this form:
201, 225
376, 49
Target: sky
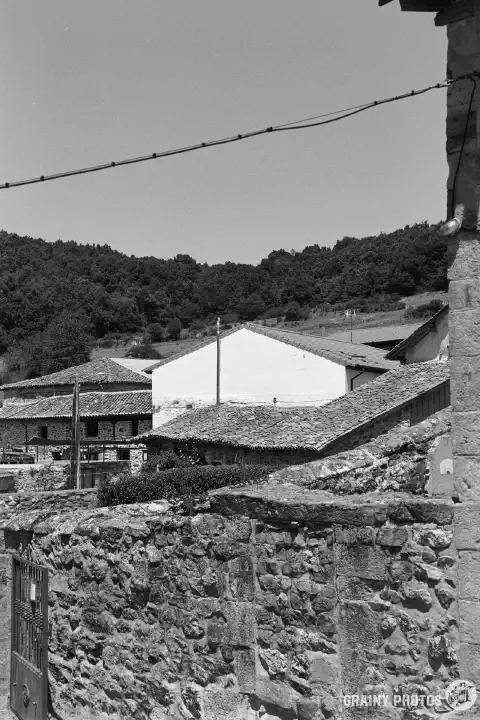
91, 82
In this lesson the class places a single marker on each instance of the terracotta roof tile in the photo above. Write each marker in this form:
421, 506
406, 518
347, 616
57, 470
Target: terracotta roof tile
101, 370
93, 404
309, 428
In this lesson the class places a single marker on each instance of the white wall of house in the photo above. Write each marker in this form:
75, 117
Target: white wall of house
254, 370
356, 377
432, 345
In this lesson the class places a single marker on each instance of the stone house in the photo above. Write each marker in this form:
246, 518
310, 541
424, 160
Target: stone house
107, 419
428, 342
103, 374
260, 365
275, 435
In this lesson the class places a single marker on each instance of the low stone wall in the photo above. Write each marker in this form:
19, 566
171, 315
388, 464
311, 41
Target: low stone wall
26, 510
401, 460
41, 477
268, 604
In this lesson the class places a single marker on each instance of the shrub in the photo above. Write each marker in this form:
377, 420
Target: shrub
424, 311
144, 351
177, 482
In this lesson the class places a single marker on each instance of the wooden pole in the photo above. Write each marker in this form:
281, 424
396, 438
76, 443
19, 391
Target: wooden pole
218, 361
75, 447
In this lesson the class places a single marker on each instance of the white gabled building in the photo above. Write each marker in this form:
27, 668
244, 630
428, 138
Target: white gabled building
259, 364
429, 342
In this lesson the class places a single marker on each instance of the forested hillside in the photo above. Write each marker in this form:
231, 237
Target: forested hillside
110, 292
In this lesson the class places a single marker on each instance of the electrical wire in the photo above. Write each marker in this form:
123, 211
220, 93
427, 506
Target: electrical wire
462, 147
314, 121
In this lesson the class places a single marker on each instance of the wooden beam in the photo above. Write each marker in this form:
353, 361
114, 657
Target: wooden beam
459, 11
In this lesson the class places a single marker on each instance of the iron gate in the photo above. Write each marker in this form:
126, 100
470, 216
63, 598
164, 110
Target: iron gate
29, 653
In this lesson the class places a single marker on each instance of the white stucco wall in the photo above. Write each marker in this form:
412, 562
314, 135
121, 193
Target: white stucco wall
430, 346
353, 374
254, 369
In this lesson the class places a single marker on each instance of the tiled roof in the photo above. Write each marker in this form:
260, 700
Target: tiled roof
344, 353
390, 333
136, 364
398, 352
92, 404
309, 428
101, 371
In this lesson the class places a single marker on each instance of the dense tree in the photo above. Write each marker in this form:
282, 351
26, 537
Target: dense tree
144, 351
118, 293
66, 341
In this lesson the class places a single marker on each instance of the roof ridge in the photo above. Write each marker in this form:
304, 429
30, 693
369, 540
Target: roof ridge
417, 334
314, 428
318, 337
204, 342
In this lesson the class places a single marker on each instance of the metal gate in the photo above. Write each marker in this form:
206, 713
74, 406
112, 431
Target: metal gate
29, 653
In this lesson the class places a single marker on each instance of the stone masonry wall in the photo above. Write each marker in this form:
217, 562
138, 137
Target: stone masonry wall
16, 432
463, 129
267, 605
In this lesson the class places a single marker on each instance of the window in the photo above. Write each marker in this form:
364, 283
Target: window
44, 432
123, 454
92, 428
134, 427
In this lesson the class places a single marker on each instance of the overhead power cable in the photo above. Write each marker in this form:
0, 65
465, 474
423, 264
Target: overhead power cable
310, 122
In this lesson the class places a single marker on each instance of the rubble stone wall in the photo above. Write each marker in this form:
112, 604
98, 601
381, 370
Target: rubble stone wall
16, 432
265, 606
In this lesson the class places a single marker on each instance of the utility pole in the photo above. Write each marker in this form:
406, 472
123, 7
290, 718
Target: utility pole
218, 361
75, 447
351, 314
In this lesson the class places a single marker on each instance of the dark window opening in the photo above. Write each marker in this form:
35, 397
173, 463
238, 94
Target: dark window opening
123, 454
92, 428
44, 432
134, 427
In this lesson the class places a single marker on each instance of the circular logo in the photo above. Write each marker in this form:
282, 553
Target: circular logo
461, 695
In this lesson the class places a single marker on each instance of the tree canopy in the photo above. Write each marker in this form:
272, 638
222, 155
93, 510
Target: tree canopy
41, 282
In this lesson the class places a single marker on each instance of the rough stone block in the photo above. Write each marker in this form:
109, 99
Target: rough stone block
225, 704
464, 256
239, 630
277, 694
464, 329
466, 433
392, 536
352, 536
466, 526
469, 661
323, 669
469, 621
361, 561
360, 626
466, 478
430, 511
464, 294
245, 670
465, 384
469, 575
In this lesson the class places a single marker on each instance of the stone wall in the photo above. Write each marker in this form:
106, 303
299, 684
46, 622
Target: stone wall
415, 460
265, 605
17, 432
